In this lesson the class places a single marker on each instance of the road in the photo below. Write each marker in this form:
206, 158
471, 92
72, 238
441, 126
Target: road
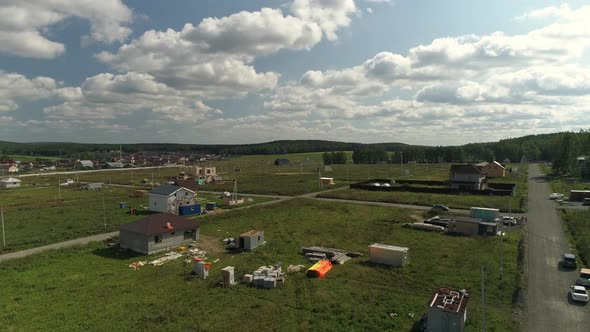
66, 244
547, 302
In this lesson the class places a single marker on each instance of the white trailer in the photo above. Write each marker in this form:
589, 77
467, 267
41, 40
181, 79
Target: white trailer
388, 255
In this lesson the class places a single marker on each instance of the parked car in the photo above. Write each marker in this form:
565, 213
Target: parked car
579, 293
569, 260
584, 278
510, 221
556, 196
441, 207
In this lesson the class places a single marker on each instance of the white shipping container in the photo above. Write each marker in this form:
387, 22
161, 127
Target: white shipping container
388, 255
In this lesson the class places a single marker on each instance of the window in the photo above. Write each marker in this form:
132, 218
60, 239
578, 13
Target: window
189, 234
158, 238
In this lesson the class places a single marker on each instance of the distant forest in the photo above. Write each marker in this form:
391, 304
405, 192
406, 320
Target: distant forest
561, 148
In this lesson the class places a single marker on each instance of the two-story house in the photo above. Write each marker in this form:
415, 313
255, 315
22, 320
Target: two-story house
467, 177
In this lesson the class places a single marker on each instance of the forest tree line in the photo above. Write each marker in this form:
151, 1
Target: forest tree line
560, 148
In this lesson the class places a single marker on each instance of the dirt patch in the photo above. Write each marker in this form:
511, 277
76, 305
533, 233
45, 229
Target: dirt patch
417, 217
211, 244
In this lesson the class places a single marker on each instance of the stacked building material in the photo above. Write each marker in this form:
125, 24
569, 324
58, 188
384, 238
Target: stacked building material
338, 256
265, 277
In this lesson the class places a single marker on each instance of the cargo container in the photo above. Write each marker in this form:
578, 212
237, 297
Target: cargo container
486, 214
388, 255
189, 209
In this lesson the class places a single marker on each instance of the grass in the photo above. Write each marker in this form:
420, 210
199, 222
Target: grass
57, 290
577, 225
37, 216
517, 202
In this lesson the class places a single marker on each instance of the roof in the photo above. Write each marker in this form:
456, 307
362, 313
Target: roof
468, 219
482, 164
497, 163
388, 247
585, 271
466, 169
167, 189
571, 256
188, 184
155, 224
10, 180
250, 233
452, 301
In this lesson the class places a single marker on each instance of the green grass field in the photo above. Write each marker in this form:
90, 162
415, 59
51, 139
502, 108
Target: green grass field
577, 225
92, 287
517, 203
37, 216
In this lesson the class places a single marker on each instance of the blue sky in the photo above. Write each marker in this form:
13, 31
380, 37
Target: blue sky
215, 71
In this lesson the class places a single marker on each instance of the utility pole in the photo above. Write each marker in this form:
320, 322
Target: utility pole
502, 252
320, 179
483, 301
3, 234
59, 187
104, 213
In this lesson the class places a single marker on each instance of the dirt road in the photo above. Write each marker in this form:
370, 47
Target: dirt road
548, 304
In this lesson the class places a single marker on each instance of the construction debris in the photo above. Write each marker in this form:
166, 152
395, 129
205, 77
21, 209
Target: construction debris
170, 256
137, 265
338, 256
427, 227
265, 277
295, 268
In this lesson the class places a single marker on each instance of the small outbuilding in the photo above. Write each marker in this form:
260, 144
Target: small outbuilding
388, 254
10, 183
447, 310
251, 240
158, 232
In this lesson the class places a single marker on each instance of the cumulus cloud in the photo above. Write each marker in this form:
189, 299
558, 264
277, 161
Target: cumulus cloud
23, 24
107, 96
16, 88
331, 15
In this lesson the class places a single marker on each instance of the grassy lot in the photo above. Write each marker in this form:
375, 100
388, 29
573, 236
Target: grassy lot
518, 202
37, 216
577, 225
576, 222
57, 290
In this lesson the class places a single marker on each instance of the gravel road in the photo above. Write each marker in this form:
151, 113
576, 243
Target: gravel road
548, 305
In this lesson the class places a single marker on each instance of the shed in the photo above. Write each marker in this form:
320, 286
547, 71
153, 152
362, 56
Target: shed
251, 240
579, 195
388, 254
447, 310
10, 183
158, 232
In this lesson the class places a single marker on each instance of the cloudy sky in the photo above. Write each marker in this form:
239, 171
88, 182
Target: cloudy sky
425, 72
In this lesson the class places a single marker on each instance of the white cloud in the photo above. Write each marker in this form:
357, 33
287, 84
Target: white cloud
16, 88
331, 15
107, 96
23, 24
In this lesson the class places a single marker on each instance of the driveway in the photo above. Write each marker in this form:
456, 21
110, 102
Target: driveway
548, 305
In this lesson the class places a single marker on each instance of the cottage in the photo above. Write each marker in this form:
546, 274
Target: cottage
85, 164
251, 240
169, 198
447, 310
158, 232
493, 169
10, 183
467, 177
327, 180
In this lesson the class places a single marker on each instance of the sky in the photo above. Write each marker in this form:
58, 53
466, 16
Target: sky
424, 72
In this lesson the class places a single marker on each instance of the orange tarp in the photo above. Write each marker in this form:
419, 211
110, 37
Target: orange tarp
319, 269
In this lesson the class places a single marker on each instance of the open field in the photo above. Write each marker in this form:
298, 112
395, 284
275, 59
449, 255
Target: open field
577, 227
37, 216
517, 203
57, 290
576, 222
